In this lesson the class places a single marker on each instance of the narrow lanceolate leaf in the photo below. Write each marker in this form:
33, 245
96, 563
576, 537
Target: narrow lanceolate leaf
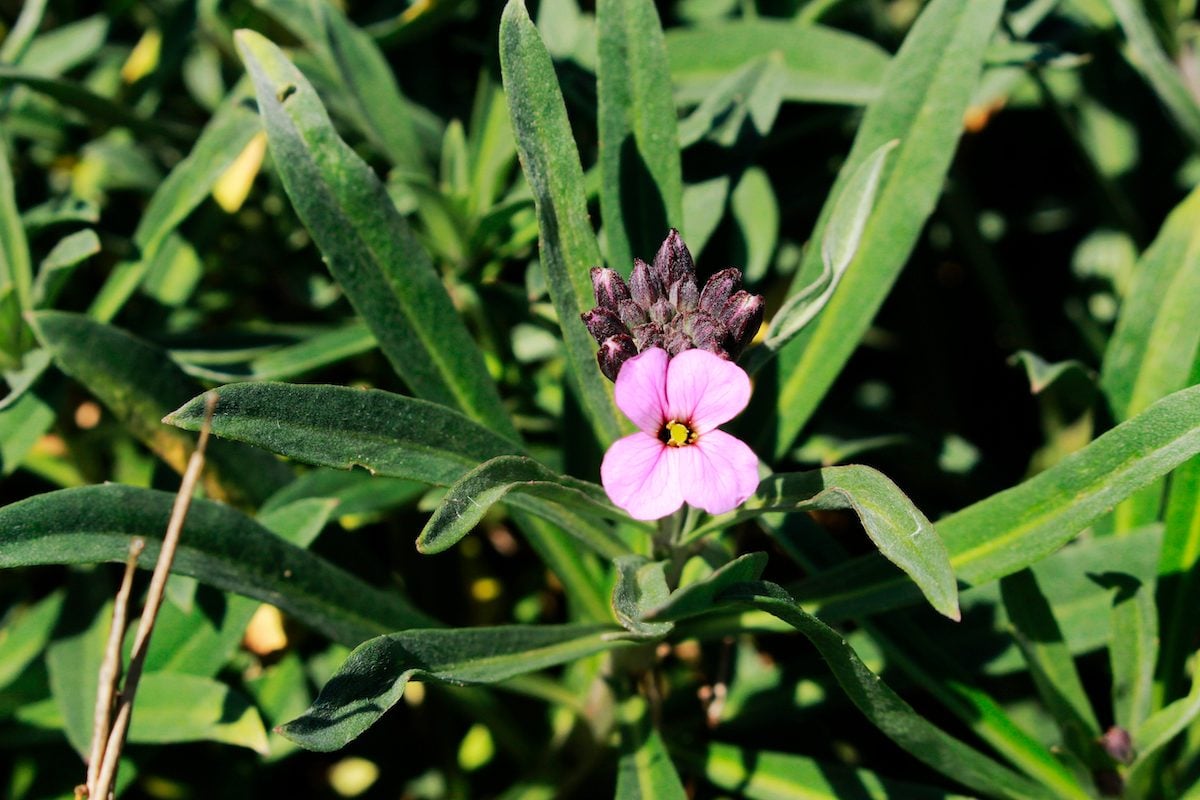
843, 235
641, 189
551, 164
823, 65
1050, 663
1154, 344
924, 96
1160, 728
887, 710
219, 546
385, 113
368, 246
767, 775
1133, 649
640, 586
901, 532
489, 483
645, 771
223, 139
139, 384
1020, 526
1148, 57
702, 595
373, 678
336, 426
16, 269
1179, 581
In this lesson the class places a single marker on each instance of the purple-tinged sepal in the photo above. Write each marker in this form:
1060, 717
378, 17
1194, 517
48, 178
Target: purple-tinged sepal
609, 288
615, 351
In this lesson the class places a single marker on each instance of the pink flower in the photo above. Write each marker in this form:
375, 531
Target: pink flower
678, 455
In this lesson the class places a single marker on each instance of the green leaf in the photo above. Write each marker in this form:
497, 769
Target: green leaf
317, 351
25, 634
219, 546
94, 106
901, 532
384, 113
640, 586
1148, 57
1018, 527
62, 258
17, 40
839, 245
766, 775
641, 191
357, 493
212, 712
756, 212
223, 139
336, 426
16, 269
1178, 581
492, 481
751, 94
1042, 374
1050, 663
1155, 342
23, 422
644, 771
368, 246
918, 653
373, 678
886, 710
924, 96
1160, 728
1133, 648
701, 596
139, 384
824, 65
73, 658
567, 242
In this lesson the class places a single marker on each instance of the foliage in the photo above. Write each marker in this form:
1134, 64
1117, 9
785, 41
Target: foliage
368, 231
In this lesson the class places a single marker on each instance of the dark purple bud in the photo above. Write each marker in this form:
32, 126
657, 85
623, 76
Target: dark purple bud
742, 316
644, 285
632, 314
719, 289
609, 288
647, 336
662, 311
1118, 744
602, 323
705, 332
676, 341
615, 351
684, 295
673, 262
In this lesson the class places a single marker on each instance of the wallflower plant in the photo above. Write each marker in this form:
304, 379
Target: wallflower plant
547, 392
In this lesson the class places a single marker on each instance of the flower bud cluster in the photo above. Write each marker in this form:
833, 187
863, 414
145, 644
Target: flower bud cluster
662, 306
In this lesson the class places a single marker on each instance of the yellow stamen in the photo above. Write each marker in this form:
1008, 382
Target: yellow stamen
678, 434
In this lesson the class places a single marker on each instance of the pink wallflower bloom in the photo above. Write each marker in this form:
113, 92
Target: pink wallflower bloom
678, 455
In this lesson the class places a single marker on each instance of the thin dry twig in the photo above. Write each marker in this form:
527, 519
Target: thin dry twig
154, 597
110, 669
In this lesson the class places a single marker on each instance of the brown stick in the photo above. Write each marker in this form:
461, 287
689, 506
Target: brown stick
110, 669
154, 598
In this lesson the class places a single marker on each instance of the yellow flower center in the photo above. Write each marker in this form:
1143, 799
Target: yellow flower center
676, 434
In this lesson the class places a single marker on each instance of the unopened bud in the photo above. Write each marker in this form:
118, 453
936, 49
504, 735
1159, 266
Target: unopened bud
684, 295
719, 289
1118, 744
609, 288
602, 323
615, 351
742, 316
644, 285
673, 262
648, 335
705, 332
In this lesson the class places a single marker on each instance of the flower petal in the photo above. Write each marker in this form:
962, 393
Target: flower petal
704, 390
638, 474
641, 390
717, 473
